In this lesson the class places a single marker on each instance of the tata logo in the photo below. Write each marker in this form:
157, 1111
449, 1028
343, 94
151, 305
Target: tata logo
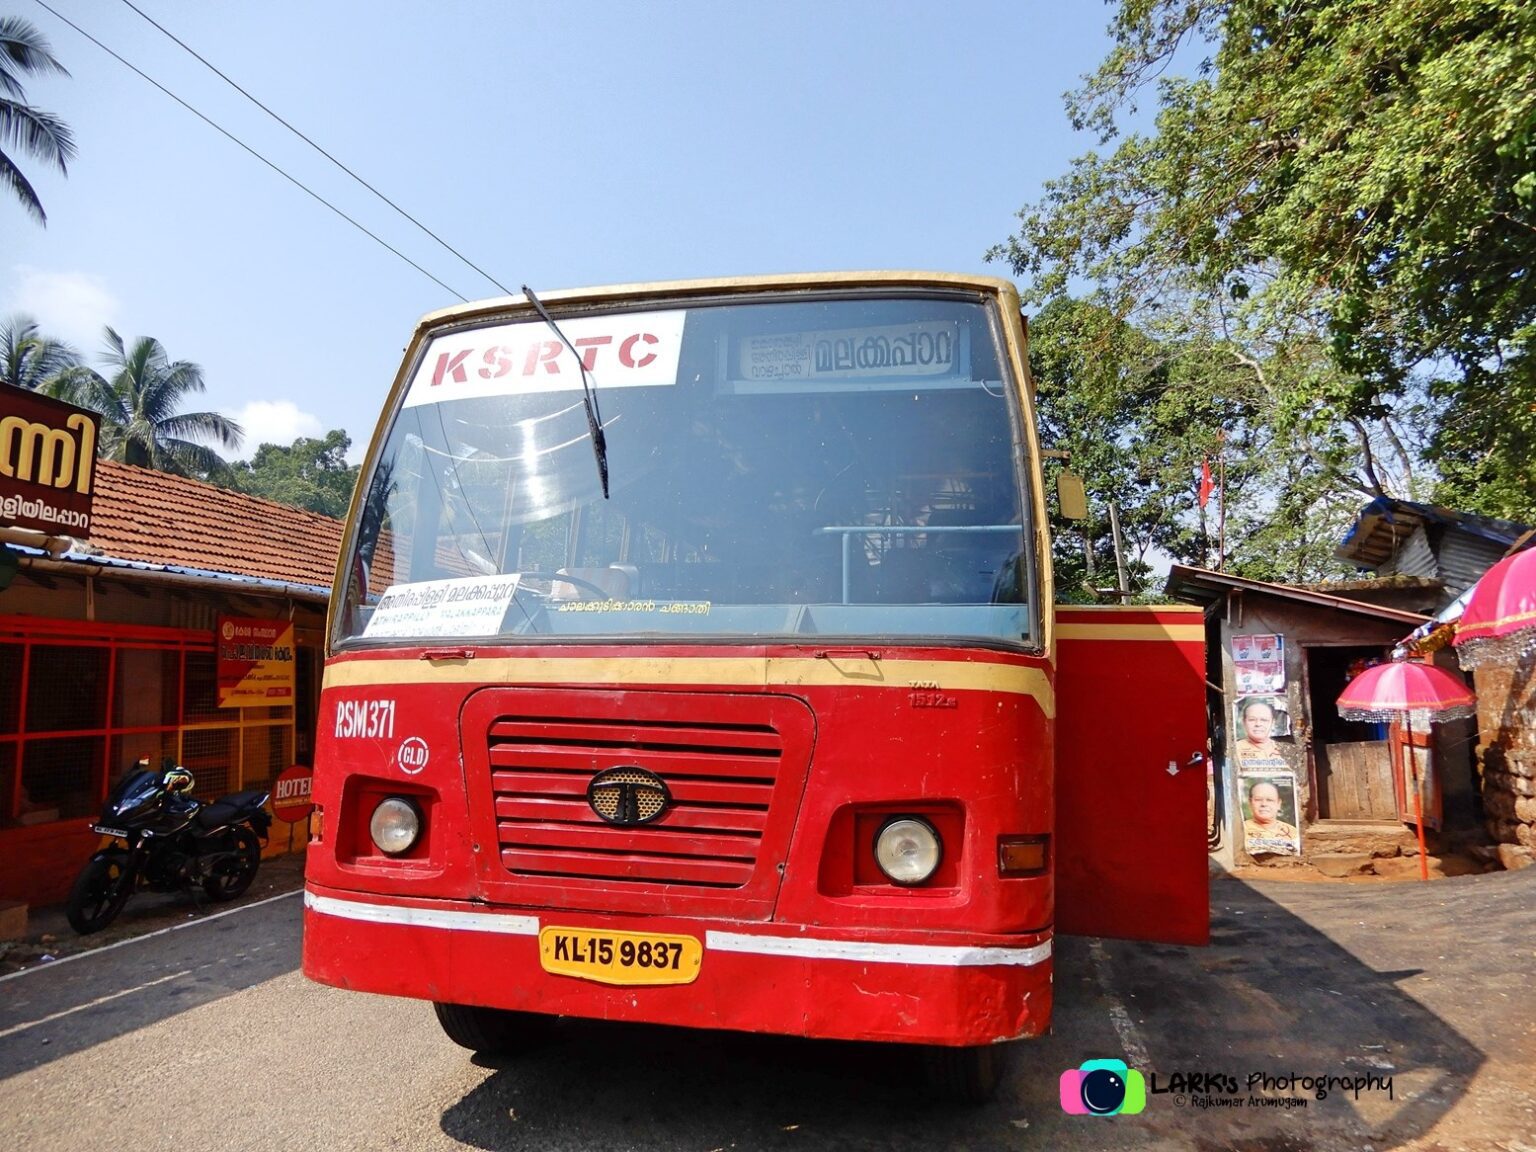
628, 795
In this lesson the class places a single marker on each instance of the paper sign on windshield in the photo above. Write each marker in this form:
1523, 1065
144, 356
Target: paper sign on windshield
924, 349
629, 350
467, 607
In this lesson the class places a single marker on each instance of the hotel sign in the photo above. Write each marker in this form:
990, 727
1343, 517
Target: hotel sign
47, 463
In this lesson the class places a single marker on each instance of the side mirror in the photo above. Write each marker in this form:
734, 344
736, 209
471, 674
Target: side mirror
1071, 498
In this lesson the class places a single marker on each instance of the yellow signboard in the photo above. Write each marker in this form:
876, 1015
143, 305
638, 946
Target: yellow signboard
256, 662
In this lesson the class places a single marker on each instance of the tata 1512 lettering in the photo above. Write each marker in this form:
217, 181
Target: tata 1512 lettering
693, 660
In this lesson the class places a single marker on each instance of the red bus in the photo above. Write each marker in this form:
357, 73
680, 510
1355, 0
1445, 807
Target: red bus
693, 660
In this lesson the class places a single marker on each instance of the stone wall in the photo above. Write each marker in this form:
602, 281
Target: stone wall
1506, 759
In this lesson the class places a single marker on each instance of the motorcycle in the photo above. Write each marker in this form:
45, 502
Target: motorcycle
170, 841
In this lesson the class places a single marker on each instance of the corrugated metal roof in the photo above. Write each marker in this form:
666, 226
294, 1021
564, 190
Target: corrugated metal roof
1464, 559
78, 563
1384, 525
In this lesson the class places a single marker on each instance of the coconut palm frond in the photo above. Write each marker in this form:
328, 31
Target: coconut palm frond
23, 50
41, 133
11, 177
142, 399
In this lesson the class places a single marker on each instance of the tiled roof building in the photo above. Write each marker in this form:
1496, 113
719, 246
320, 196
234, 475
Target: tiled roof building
155, 518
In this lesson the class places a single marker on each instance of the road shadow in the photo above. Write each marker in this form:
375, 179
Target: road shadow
1307, 983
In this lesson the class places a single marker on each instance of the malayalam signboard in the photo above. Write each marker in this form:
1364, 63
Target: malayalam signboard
47, 463
256, 662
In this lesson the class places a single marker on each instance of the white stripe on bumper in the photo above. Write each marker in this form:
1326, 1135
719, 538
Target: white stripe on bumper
809, 948
871, 953
423, 917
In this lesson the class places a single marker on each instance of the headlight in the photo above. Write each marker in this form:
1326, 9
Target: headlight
908, 850
395, 826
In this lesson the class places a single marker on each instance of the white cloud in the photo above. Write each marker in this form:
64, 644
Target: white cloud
274, 422
69, 306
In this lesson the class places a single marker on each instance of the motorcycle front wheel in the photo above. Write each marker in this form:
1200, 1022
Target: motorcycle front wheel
232, 876
99, 894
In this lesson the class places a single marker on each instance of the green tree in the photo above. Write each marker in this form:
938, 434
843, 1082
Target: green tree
30, 360
140, 401
1341, 196
1139, 412
309, 473
24, 50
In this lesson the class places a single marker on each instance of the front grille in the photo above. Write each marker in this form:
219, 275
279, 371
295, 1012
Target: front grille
721, 777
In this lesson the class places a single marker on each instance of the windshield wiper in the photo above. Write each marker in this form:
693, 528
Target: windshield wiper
594, 417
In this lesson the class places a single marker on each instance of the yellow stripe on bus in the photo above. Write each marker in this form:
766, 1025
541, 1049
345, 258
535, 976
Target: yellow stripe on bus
836, 669
1164, 632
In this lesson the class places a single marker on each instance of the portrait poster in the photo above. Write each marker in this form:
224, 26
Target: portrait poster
1258, 663
1271, 822
1256, 721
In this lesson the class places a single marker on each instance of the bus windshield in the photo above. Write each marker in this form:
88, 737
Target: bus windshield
843, 464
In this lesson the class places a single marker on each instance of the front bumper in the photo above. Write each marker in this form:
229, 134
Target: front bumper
924, 988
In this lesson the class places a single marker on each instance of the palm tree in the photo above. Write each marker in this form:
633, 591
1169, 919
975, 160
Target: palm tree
33, 361
44, 135
140, 421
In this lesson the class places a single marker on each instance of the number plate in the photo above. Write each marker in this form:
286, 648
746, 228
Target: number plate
620, 957
105, 831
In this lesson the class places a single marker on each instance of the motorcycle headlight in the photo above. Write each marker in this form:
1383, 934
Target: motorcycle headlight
908, 850
396, 825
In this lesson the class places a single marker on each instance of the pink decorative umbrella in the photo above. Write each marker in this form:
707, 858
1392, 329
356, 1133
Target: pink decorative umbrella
1498, 625
1421, 692
1411, 692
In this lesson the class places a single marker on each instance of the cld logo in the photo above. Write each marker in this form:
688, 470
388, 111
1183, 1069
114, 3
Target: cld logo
412, 756
628, 795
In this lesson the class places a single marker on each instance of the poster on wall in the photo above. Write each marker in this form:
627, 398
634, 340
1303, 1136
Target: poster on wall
1257, 720
1258, 663
256, 662
1270, 823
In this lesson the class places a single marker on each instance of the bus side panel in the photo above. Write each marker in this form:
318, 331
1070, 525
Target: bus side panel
1131, 855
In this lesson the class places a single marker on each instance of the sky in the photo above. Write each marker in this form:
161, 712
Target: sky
557, 145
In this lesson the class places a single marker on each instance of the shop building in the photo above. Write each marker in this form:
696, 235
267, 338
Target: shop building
109, 652
1278, 658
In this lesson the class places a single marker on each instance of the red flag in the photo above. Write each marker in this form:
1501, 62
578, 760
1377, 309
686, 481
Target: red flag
1207, 485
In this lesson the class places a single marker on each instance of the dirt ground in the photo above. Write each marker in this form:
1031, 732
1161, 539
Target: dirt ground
1378, 870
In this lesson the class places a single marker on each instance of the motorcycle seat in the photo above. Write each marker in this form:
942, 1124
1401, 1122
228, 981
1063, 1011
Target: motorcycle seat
228, 809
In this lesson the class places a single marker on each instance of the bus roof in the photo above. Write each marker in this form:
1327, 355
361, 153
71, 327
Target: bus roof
662, 289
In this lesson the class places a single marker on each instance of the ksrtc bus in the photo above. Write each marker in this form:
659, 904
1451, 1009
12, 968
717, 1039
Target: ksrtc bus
692, 660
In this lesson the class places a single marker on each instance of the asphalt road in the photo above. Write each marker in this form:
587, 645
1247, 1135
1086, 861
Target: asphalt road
208, 1037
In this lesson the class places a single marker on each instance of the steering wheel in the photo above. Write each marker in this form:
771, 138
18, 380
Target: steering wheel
575, 581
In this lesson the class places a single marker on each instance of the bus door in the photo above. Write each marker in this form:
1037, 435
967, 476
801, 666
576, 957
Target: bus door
1131, 853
